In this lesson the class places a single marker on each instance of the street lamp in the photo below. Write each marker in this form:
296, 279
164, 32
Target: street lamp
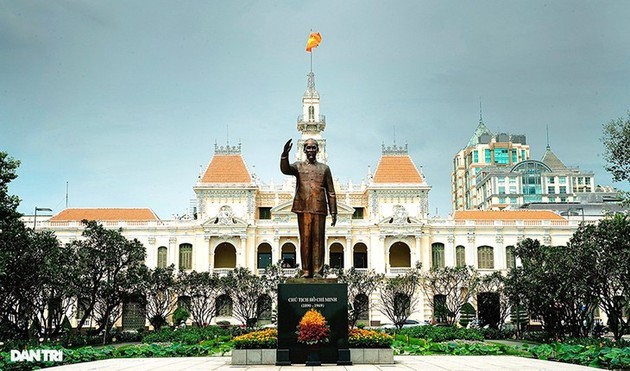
35, 217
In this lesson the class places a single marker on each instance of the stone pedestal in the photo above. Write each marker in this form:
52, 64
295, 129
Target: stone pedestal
294, 300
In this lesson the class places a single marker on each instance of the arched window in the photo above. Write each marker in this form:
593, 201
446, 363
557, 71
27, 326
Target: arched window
225, 256
336, 255
311, 113
460, 256
264, 256
161, 257
224, 305
399, 255
185, 256
510, 258
485, 257
437, 255
288, 255
360, 258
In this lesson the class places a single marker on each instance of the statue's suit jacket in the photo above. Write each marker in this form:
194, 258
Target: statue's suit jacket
314, 186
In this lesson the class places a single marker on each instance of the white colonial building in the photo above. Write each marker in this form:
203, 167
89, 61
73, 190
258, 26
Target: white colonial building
383, 222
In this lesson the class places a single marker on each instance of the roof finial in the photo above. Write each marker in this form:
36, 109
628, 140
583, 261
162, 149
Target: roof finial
394, 134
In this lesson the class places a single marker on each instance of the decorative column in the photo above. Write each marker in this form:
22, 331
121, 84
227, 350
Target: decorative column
449, 253
275, 250
347, 253
499, 253
172, 252
241, 254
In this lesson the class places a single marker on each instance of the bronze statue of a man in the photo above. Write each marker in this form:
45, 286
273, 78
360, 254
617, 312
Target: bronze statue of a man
314, 196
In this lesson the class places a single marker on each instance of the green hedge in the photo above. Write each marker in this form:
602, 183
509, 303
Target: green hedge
188, 335
442, 333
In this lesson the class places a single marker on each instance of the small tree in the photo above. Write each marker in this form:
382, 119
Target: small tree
359, 283
398, 296
160, 292
202, 289
495, 283
245, 289
447, 289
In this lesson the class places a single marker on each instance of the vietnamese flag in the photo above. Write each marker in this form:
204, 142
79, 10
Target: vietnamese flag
313, 41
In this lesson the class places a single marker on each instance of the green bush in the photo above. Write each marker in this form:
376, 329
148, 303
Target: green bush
442, 333
187, 335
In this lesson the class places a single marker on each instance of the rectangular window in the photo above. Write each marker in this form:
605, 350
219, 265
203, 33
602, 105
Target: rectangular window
264, 213
501, 156
475, 157
551, 190
336, 260
501, 200
523, 158
512, 180
551, 180
264, 260
501, 190
562, 179
358, 213
563, 189
514, 156
512, 190
288, 260
360, 260
488, 156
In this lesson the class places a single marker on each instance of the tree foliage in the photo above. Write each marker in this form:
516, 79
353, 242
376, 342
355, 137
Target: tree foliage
607, 267
35, 270
160, 292
398, 297
616, 140
494, 283
447, 289
108, 268
202, 289
359, 283
245, 289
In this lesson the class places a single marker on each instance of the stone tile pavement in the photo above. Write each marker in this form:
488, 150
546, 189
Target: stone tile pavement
401, 363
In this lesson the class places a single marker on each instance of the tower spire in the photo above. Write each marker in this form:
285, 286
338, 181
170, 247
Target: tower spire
480, 111
548, 137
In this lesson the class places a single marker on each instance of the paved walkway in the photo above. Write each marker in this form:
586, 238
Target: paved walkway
402, 363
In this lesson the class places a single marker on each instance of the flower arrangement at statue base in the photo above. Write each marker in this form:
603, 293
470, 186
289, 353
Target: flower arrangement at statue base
313, 328
313, 331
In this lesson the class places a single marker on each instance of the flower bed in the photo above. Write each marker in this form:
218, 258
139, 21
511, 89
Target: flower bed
263, 339
359, 338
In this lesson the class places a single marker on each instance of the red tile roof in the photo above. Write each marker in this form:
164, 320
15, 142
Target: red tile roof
226, 169
397, 169
103, 214
506, 215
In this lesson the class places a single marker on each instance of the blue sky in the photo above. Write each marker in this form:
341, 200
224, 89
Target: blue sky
124, 100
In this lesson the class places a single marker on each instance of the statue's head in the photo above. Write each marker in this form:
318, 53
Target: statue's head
311, 147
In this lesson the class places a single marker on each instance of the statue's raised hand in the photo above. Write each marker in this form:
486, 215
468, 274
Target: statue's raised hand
287, 147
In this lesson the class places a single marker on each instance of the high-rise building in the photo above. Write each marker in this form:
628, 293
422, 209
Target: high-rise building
530, 181
484, 149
